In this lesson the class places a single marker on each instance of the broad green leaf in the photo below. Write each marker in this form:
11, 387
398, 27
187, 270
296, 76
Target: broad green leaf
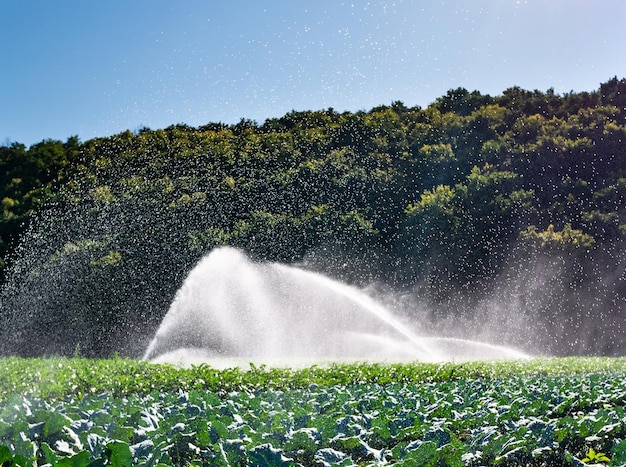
5, 454
50, 455
54, 423
21, 461
119, 454
77, 460
347, 444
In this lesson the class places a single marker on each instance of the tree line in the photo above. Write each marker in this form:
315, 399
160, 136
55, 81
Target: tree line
470, 195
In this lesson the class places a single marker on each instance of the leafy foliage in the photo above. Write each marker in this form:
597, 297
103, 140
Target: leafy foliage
59, 378
546, 412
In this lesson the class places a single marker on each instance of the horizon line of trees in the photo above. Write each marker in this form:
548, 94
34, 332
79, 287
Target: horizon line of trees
450, 200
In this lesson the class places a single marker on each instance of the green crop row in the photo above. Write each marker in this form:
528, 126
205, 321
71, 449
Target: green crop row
558, 412
531, 421
51, 378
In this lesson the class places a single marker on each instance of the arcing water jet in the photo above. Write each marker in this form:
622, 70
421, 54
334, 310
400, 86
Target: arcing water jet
232, 308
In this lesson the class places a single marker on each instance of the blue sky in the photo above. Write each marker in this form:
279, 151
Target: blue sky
87, 68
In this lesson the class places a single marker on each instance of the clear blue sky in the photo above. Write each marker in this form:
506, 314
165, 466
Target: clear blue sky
95, 68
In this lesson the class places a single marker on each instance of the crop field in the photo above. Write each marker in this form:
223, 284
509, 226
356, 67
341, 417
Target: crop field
540, 412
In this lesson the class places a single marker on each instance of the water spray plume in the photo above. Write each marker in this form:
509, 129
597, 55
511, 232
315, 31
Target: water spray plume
230, 309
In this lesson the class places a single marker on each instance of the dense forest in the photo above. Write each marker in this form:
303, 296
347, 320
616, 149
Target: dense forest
508, 210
